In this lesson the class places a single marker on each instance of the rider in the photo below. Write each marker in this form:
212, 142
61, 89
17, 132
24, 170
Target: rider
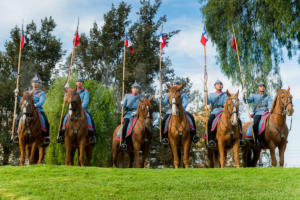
217, 101
39, 98
130, 106
165, 102
262, 103
85, 99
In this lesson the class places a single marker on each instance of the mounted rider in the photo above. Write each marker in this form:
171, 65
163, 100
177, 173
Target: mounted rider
185, 102
262, 103
39, 98
130, 106
85, 99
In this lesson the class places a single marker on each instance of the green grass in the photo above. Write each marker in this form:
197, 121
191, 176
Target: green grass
60, 182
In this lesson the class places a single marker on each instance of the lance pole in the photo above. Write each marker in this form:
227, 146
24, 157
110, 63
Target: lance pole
123, 86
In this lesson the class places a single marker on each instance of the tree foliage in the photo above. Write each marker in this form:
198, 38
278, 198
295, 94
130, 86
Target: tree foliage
263, 28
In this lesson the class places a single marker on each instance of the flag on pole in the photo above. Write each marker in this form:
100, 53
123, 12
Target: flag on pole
203, 37
162, 41
23, 41
76, 39
233, 42
128, 44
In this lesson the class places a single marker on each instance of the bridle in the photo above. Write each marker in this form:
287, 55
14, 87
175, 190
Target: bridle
175, 105
235, 110
283, 105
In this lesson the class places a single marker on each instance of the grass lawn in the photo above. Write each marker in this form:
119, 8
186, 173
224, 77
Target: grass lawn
60, 182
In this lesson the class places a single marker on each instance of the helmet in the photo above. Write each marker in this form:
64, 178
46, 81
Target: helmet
218, 82
135, 85
36, 79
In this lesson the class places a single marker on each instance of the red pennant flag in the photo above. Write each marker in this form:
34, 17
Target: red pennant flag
76, 39
23, 41
162, 41
128, 44
233, 42
203, 37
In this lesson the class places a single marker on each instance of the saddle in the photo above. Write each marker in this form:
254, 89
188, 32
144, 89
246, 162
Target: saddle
190, 121
129, 129
262, 126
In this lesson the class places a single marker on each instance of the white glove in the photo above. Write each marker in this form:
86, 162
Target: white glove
34, 105
67, 85
133, 114
16, 90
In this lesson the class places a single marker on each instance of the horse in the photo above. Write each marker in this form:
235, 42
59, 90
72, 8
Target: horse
30, 132
139, 140
76, 131
228, 133
178, 128
276, 130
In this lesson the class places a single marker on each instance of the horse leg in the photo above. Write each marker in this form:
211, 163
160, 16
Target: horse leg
256, 156
145, 153
41, 154
22, 151
33, 149
131, 159
68, 151
82, 144
186, 152
221, 152
120, 159
72, 155
137, 149
174, 153
281, 153
236, 147
272, 152
210, 155
245, 151
89, 154
115, 155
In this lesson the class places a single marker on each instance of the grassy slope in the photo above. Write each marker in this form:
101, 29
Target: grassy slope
60, 182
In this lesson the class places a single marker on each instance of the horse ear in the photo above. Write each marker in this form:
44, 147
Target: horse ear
169, 87
151, 98
278, 89
66, 90
227, 93
237, 94
179, 87
288, 89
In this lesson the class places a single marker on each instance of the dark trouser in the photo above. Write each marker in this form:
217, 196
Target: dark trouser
125, 124
163, 123
209, 124
45, 134
93, 124
256, 120
193, 121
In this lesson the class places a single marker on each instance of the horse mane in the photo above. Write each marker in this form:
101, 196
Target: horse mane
274, 102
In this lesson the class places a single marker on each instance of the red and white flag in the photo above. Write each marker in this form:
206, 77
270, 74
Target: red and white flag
203, 37
162, 41
23, 41
129, 45
233, 42
76, 39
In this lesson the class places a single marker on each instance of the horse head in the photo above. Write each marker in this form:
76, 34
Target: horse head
175, 98
27, 107
145, 110
232, 107
285, 100
73, 99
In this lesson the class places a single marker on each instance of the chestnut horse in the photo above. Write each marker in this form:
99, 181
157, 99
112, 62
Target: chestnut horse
228, 132
140, 139
30, 132
276, 131
179, 128
76, 134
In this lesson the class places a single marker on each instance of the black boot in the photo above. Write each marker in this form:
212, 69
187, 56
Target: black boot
92, 137
211, 140
47, 140
15, 139
61, 137
164, 139
195, 137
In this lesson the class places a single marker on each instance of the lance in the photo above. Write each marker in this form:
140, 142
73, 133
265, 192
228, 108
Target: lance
123, 86
205, 92
17, 85
68, 78
243, 82
160, 89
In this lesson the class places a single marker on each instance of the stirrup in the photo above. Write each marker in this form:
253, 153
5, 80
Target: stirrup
196, 138
164, 141
46, 140
60, 140
123, 147
243, 143
92, 139
211, 144
15, 139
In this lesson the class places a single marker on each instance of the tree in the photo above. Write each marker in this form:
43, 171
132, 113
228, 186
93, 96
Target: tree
262, 27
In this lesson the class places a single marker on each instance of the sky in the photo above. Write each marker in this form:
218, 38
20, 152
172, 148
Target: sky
184, 49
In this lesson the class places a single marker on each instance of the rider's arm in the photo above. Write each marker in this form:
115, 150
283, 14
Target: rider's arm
208, 99
86, 99
251, 98
185, 101
18, 98
125, 101
165, 100
42, 100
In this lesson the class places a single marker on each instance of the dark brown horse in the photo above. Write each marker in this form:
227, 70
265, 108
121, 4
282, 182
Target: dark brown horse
179, 128
140, 139
276, 131
76, 134
30, 132
228, 132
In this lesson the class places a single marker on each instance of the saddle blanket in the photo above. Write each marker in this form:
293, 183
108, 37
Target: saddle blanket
90, 124
192, 125
215, 122
42, 120
129, 129
261, 127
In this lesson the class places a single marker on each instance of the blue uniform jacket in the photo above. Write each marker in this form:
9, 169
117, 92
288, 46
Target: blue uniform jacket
184, 100
212, 97
85, 98
265, 105
130, 104
39, 98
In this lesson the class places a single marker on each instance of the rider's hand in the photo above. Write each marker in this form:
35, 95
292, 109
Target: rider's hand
67, 85
16, 91
122, 120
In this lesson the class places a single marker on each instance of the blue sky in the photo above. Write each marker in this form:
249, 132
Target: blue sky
184, 49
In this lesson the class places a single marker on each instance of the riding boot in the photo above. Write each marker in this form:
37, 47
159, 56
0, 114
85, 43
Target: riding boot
211, 140
164, 135
242, 142
46, 137
164, 139
61, 137
123, 146
195, 137
15, 138
92, 137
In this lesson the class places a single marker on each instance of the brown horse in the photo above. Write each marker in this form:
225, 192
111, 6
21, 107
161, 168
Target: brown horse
76, 134
179, 128
140, 139
228, 132
276, 131
30, 132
